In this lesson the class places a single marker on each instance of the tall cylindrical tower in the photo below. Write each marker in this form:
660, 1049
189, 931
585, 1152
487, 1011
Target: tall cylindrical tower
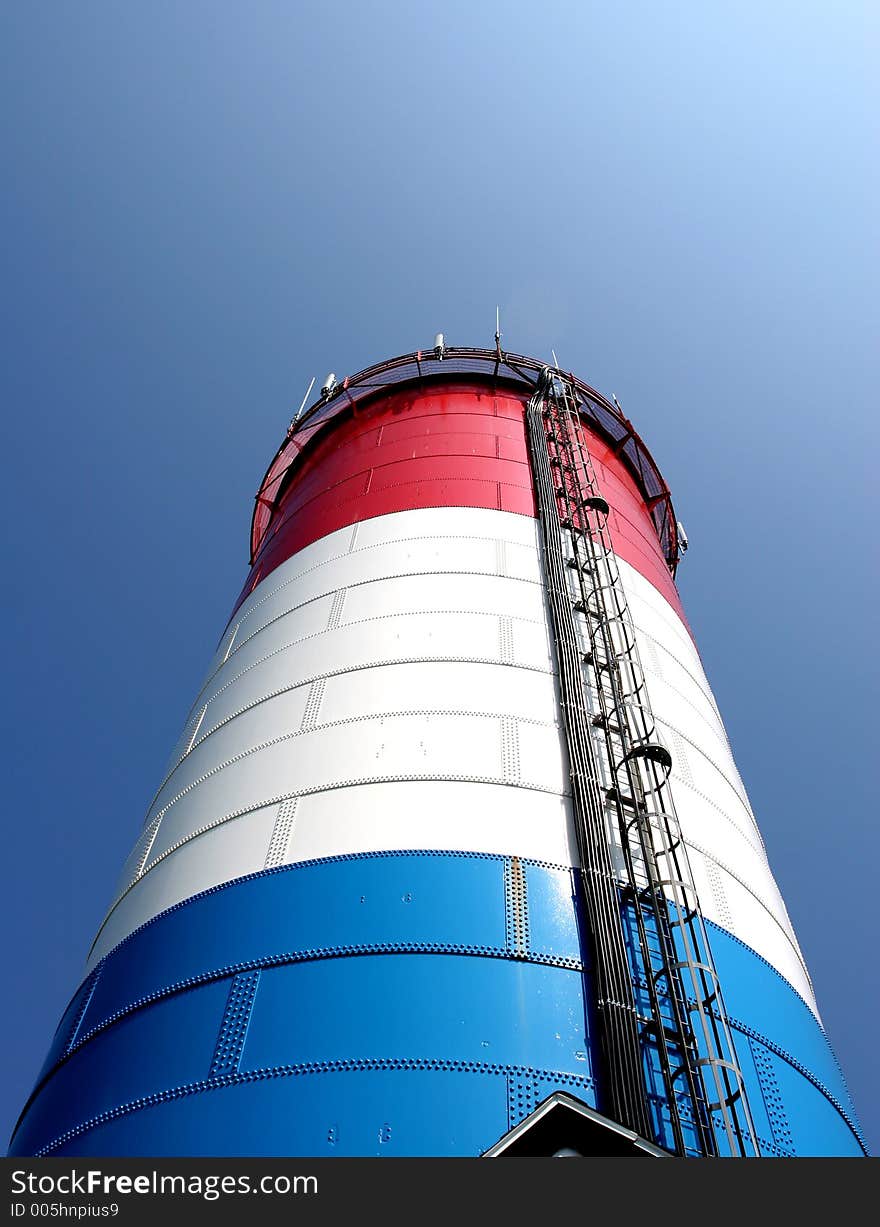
452, 856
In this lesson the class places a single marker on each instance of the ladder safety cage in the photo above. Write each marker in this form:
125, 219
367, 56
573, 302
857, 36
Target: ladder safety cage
681, 1022
621, 1083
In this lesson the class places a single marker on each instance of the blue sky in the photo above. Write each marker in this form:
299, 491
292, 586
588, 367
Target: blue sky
208, 203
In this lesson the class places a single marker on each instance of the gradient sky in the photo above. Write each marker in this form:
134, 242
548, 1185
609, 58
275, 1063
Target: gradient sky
207, 203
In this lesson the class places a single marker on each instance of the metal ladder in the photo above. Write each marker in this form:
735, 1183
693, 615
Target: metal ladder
668, 1019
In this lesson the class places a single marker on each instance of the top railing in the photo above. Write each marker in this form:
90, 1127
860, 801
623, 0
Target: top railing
458, 362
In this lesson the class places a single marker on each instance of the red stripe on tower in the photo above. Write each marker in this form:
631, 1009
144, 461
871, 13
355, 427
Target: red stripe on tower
441, 445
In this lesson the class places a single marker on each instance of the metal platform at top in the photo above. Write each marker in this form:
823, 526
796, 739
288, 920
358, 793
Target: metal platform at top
496, 367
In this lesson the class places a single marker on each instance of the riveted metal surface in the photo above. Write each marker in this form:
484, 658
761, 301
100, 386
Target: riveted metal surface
463, 1009
235, 847
516, 906
718, 894
511, 820
236, 1020
446, 1012
68, 1032
397, 639
817, 1125
790, 1058
554, 908
394, 1106
313, 706
522, 1097
68, 1029
780, 1130
327, 905
490, 689
815, 1101
390, 547
130, 1059
406, 746
280, 841
475, 817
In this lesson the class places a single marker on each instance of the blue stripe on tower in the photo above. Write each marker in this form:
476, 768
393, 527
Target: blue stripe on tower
405, 969
429, 979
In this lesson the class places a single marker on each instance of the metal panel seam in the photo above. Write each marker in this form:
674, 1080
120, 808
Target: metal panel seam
316, 954
374, 854
312, 1067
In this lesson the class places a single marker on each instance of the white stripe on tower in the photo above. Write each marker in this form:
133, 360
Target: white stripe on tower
419, 712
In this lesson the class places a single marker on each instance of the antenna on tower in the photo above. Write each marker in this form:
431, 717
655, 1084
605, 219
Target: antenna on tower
498, 333
617, 403
296, 417
555, 359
